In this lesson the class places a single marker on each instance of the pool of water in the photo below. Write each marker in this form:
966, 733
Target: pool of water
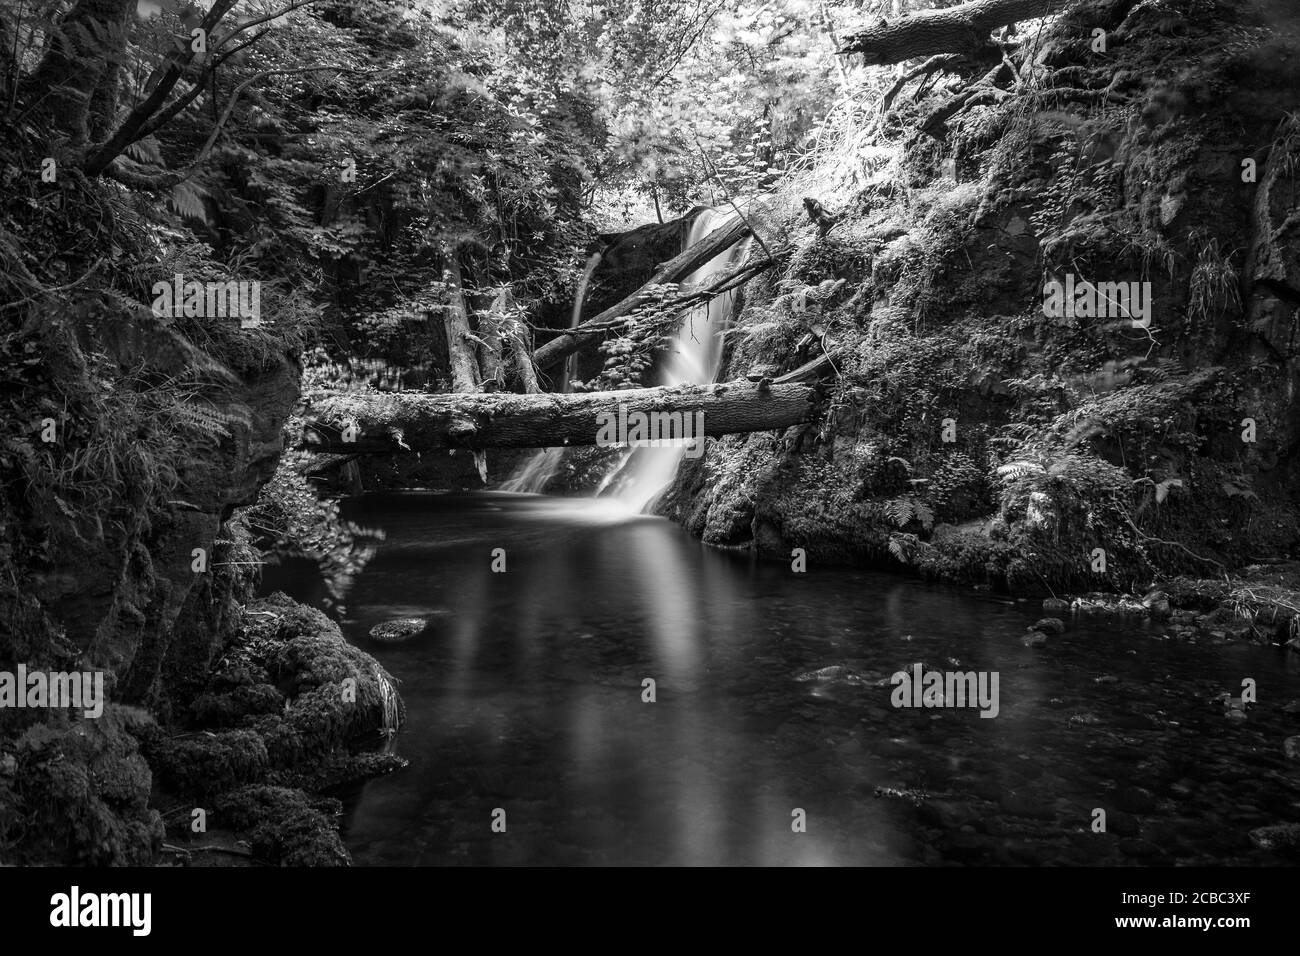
773, 696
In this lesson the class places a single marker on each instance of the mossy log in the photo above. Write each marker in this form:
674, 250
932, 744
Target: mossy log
416, 421
960, 29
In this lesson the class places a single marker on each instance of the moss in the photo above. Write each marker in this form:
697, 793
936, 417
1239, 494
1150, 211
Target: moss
339, 770
204, 764
1132, 441
285, 826
78, 793
290, 692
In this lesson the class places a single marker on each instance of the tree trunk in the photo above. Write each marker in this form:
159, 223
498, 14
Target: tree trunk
415, 421
960, 29
460, 344
81, 57
8, 65
491, 349
674, 270
521, 359
516, 351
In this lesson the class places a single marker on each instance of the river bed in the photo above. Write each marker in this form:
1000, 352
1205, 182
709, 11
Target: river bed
773, 696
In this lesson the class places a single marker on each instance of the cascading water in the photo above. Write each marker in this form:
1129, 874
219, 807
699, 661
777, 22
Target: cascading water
571, 363
692, 359
532, 476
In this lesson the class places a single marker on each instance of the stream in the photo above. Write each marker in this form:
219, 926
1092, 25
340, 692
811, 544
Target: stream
773, 695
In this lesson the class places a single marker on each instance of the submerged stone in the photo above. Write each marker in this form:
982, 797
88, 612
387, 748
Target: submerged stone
397, 631
1276, 837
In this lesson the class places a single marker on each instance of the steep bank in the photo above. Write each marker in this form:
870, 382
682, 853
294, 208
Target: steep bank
970, 436
134, 441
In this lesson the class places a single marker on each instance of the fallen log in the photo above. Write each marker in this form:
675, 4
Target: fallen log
674, 270
960, 29
809, 370
415, 421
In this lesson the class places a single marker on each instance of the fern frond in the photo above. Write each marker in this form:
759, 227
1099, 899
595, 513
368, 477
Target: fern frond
209, 420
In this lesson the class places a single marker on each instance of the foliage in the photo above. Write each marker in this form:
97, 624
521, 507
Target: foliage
289, 519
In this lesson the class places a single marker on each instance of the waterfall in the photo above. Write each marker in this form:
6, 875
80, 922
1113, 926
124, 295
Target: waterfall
531, 477
571, 363
692, 359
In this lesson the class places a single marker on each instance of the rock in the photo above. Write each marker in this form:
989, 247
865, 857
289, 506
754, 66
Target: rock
1135, 800
1276, 837
1099, 604
833, 672
1239, 630
397, 631
286, 826
207, 763
944, 814
1291, 747
1183, 617
1157, 602
1035, 639
1055, 606
1049, 625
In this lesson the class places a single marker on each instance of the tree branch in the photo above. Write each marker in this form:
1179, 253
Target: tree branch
168, 72
674, 270
188, 97
163, 181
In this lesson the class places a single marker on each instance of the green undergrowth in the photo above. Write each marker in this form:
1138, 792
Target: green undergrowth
967, 435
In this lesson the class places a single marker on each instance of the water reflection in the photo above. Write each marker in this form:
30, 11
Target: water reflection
773, 694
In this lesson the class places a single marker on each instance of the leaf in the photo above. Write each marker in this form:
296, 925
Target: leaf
186, 199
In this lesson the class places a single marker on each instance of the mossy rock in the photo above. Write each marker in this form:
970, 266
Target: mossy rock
286, 826
81, 793
206, 763
399, 630
233, 708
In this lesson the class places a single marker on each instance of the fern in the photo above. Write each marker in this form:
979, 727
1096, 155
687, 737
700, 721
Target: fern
1013, 471
208, 420
924, 514
899, 511
187, 199
145, 151
903, 510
